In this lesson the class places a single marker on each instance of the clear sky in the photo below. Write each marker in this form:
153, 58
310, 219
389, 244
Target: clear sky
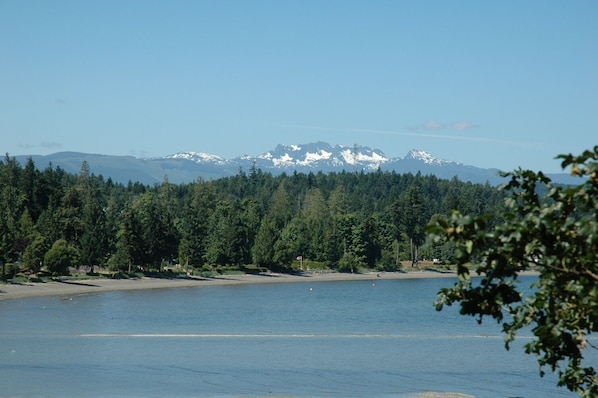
488, 83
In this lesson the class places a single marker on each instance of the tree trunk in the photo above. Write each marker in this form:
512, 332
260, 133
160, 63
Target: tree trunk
411, 252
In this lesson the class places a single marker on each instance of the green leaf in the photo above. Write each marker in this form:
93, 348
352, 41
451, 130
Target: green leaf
469, 246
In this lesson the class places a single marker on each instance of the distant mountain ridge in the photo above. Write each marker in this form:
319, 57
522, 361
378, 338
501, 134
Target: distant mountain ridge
185, 167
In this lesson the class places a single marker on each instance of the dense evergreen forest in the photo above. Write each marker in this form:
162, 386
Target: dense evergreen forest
52, 220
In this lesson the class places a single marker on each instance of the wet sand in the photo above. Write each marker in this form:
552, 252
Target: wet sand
84, 286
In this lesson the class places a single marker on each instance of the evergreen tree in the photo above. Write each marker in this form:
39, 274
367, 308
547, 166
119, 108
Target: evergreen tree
11, 207
195, 223
266, 238
293, 242
227, 235
94, 240
365, 242
317, 218
412, 216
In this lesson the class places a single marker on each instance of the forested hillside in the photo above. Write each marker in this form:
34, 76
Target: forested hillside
54, 220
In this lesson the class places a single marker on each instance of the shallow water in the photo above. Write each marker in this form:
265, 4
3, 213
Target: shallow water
327, 339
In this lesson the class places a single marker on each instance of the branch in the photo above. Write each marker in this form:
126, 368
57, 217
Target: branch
585, 272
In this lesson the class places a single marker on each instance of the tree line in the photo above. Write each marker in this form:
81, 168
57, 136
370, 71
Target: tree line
344, 221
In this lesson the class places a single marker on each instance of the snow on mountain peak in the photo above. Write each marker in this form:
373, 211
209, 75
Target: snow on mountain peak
362, 155
199, 157
320, 153
425, 157
316, 156
289, 155
284, 160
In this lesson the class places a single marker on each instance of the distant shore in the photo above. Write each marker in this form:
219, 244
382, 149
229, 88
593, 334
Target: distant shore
85, 286
98, 285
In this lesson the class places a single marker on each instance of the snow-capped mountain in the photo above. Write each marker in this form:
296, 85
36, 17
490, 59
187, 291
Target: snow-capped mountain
314, 156
318, 156
321, 156
197, 157
184, 167
427, 158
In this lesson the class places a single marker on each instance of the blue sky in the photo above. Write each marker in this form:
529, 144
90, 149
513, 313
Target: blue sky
493, 84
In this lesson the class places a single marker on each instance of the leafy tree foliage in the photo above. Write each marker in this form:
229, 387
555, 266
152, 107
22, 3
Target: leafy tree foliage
555, 233
60, 257
33, 256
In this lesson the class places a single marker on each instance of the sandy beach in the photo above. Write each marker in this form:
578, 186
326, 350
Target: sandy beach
86, 286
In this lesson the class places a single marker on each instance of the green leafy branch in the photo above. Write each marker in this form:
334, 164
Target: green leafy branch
547, 228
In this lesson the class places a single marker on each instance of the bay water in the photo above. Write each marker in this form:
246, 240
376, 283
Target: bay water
379, 338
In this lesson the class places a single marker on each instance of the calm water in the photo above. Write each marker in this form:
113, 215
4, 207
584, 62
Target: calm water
332, 339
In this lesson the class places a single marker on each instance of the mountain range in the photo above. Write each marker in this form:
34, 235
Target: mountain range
185, 167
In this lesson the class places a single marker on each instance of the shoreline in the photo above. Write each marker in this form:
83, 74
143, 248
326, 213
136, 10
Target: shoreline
99, 285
